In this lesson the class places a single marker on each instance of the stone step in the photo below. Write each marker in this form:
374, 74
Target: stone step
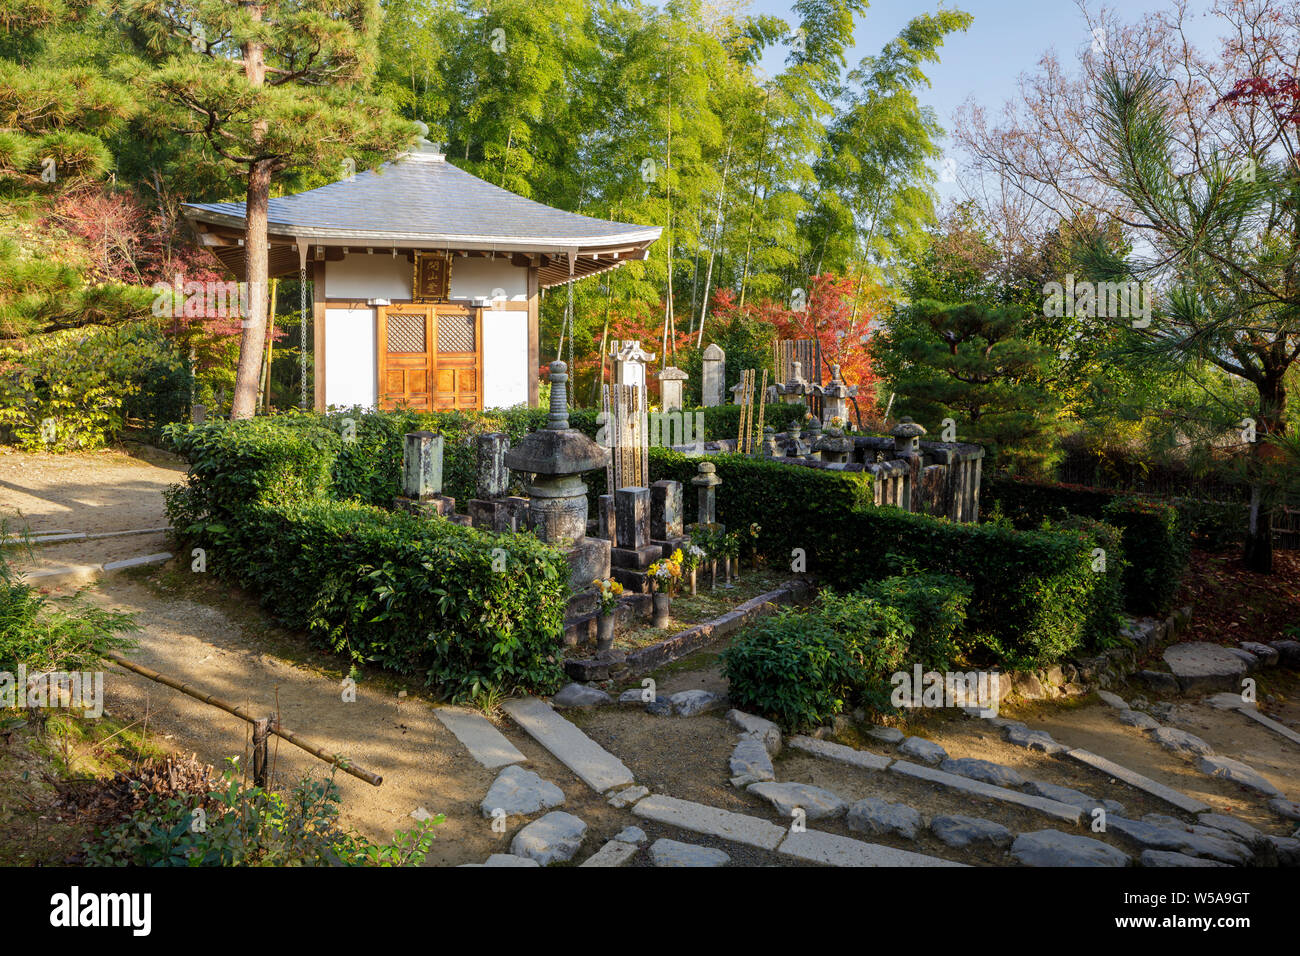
815, 846
589, 761
484, 742
699, 818
1052, 808
1134, 779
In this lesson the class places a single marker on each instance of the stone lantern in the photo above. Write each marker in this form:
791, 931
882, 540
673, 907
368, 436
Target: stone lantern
834, 447
907, 437
792, 392
552, 461
835, 396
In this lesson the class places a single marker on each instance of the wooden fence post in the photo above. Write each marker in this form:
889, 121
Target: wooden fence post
261, 755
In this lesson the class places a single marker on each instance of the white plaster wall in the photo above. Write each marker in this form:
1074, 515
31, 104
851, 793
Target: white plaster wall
505, 359
351, 365
472, 278
375, 276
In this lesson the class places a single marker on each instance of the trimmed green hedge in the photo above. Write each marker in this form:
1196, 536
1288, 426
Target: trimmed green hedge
1156, 549
468, 610
1155, 537
1034, 594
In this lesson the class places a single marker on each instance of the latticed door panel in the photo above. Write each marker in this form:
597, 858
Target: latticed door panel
456, 333
408, 332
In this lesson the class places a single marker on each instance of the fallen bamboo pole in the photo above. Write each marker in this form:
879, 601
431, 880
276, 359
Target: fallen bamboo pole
371, 778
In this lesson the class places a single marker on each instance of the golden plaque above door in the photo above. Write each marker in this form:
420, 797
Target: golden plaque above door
432, 279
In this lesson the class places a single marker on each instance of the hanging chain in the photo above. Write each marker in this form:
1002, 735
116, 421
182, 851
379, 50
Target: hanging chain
302, 332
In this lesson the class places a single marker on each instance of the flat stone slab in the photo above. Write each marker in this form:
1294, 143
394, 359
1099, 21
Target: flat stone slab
143, 560
1136, 718
1181, 742
1113, 700
830, 849
485, 743
633, 835
553, 838
1059, 811
1134, 779
816, 803
750, 762
1201, 666
960, 831
592, 763
665, 852
520, 792
1075, 798
872, 815
699, 818
985, 770
833, 751
1054, 848
579, 696
923, 749
766, 731
1237, 772
1169, 858
613, 853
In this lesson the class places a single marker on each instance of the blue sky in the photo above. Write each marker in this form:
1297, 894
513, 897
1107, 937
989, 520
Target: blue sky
1006, 39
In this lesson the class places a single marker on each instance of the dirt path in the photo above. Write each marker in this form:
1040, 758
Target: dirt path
109, 490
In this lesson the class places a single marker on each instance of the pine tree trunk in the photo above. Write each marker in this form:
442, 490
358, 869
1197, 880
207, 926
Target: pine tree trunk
1258, 553
253, 341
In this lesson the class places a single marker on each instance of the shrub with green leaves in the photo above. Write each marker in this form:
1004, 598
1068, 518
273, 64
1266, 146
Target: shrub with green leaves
74, 389
1154, 538
801, 668
251, 826
935, 605
42, 633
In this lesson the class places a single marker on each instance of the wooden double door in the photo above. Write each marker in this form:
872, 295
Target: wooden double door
430, 357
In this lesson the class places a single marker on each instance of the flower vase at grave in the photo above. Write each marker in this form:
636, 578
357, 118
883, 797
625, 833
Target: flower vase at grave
692, 582
713, 575
605, 632
661, 604
726, 570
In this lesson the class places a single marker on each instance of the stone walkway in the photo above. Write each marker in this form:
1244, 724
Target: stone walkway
1089, 831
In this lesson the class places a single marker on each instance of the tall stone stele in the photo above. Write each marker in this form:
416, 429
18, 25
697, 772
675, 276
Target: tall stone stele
713, 390
670, 389
552, 461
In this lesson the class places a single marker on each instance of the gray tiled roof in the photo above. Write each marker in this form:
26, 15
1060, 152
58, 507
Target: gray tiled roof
421, 197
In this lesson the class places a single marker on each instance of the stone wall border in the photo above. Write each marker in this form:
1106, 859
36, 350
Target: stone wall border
622, 664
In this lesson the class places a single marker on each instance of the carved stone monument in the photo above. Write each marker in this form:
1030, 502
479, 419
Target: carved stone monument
713, 391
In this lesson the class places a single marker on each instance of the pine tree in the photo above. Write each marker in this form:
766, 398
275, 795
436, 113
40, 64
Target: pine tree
971, 363
266, 86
